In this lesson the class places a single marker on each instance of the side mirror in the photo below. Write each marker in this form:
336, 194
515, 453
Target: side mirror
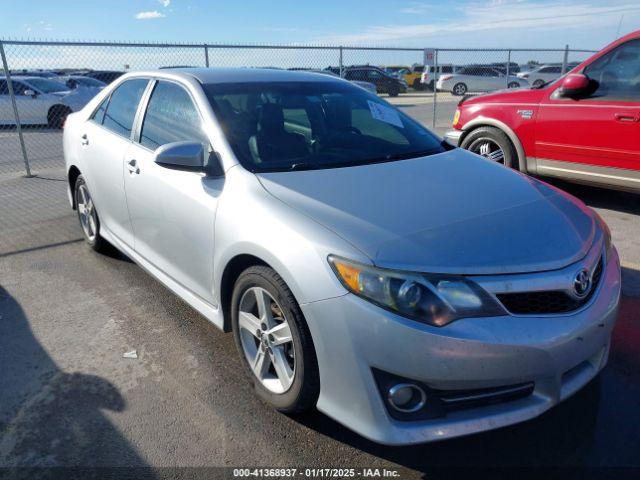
574, 85
30, 93
188, 156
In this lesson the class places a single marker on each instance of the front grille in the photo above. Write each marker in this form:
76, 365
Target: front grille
549, 301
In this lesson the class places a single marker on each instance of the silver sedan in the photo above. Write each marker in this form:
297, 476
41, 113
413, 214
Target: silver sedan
411, 291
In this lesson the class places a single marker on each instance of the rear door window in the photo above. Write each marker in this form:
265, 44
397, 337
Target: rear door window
122, 107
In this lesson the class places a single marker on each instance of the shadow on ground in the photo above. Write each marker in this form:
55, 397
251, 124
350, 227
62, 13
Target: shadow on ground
51, 418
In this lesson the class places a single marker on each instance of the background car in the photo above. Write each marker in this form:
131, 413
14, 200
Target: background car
477, 79
428, 74
106, 76
411, 75
384, 82
40, 101
81, 81
584, 127
544, 74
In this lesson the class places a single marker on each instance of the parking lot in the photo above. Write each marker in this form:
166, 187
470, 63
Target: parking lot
68, 397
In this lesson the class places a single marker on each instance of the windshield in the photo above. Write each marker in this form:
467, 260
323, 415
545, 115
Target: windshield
47, 86
310, 125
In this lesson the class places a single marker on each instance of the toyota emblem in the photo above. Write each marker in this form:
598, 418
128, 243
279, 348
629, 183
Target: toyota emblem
582, 283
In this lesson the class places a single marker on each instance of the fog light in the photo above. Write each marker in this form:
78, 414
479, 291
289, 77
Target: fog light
406, 397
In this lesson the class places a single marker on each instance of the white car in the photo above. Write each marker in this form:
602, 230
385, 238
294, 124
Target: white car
541, 75
478, 79
428, 74
41, 101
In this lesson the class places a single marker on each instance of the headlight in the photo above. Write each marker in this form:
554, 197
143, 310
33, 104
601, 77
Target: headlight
433, 299
456, 117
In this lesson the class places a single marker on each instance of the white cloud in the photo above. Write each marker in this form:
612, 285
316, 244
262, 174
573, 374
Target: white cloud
164, 3
149, 15
497, 16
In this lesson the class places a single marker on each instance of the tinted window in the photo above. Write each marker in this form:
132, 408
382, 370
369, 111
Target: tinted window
4, 89
171, 117
617, 73
98, 115
276, 126
123, 105
19, 88
418, 69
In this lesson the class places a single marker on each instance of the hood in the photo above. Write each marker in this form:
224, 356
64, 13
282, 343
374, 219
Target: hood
510, 95
453, 212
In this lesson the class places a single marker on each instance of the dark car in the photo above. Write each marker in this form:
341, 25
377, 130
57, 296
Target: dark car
106, 76
384, 82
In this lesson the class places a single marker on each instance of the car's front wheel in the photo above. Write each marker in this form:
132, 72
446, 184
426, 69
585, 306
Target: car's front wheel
513, 85
491, 143
274, 341
88, 216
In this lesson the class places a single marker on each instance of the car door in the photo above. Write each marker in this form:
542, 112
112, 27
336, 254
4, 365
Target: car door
599, 134
492, 79
172, 211
104, 139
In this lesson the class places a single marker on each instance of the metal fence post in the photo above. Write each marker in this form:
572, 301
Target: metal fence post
435, 88
565, 59
506, 77
340, 66
206, 56
7, 75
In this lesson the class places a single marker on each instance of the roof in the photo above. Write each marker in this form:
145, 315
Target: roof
234, 75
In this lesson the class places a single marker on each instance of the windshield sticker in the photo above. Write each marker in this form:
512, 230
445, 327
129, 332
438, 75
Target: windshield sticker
385, 114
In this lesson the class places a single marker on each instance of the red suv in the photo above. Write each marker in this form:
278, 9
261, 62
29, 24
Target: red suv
583, 127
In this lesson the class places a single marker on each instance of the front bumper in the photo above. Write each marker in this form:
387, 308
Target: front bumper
560, 354
453, 137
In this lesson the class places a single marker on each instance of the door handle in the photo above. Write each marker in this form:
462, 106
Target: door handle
132, 166
626, 117
85, 140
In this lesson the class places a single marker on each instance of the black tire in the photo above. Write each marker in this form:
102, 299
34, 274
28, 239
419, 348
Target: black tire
57, 116
481, 135
97, 243
459, 89
417, 85
513, 85
303, 393
394, 91
538, 83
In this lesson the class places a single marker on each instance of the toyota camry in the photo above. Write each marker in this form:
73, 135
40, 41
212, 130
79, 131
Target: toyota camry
410, 290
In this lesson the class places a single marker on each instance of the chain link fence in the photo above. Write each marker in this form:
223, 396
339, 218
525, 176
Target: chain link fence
41, 82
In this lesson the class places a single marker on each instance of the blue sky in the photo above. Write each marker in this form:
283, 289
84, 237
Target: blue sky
482, 23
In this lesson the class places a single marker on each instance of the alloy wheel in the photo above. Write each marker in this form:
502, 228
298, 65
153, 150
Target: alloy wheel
488, 149
266, 340
87, 213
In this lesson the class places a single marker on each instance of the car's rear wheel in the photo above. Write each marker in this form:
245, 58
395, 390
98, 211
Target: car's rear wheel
274, 341
57, 116
88, 216
394, 91
513, 85
417, 85
491, 143
459, 89
538, 83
